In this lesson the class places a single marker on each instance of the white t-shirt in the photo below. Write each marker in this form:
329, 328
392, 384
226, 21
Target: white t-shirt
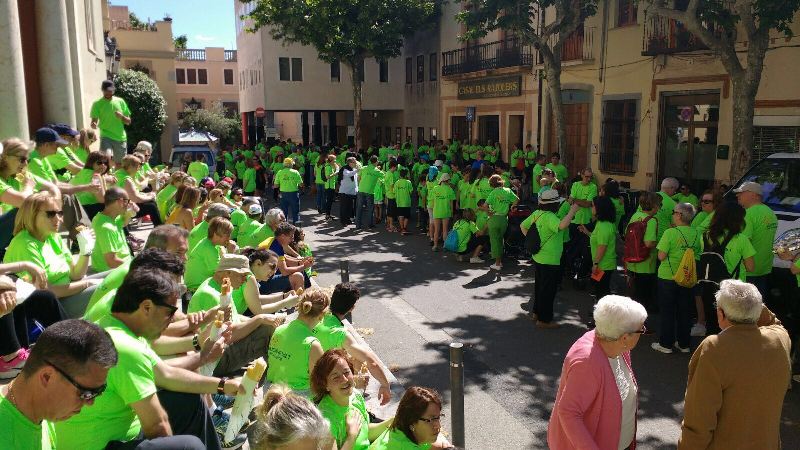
627, 392
349, 184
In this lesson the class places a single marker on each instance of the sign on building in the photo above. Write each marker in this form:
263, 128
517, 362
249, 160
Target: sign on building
510, 86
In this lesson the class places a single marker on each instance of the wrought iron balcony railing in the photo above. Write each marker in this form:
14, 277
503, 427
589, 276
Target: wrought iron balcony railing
493, 55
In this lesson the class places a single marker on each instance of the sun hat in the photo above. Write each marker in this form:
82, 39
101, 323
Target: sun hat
234, 263
550, 196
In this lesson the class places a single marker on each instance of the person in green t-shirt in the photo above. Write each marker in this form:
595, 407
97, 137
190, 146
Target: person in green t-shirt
675, 301
113, 114
249, 179
16, 183
198, 169
289, 182
368, 179
415, 427
668, 188
204, 257
403, 189
500, 201
471, 239
643, 274
329, 172
761, 226
708, 203
603, 245
333, 385
74, 357
547, 260
95, 171
685, 196
583, 193
560, 169
389, 179
111, 249
442, 197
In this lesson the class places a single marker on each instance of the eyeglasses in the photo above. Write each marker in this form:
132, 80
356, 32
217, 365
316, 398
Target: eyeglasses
84, 393
172, 309
642, 330
52, 214
125, 201
22, 159
433, 419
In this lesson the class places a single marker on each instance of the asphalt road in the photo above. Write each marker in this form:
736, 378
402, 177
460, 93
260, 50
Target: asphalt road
418, 302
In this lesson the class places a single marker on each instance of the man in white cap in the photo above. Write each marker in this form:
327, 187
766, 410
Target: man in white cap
761, 224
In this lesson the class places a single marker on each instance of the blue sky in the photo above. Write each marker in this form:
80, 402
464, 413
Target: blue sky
206, 23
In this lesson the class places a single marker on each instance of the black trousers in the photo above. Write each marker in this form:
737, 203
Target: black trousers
330, 196
149, 209
545, 288
347, 208
42, 306
191, 426
643, 289
602, 287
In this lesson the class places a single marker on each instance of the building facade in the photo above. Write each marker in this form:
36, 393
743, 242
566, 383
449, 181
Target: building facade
52, 62
206, 76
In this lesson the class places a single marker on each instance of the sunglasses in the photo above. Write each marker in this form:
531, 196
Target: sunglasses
84, 393
433, 419
52, 214
172, 309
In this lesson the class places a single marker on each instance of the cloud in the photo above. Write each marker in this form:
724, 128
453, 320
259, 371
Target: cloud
202, 38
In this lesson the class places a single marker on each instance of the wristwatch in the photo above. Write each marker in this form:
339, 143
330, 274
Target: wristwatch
221, 385
196, 342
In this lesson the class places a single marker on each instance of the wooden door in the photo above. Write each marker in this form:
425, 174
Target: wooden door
576, 120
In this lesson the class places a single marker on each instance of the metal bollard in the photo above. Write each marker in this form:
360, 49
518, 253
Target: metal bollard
457, 393
344, 271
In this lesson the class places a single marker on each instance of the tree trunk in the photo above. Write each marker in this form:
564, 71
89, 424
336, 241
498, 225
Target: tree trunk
744, 99
552, 67
356, 79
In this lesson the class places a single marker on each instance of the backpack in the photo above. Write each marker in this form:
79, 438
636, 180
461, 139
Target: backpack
451, 243
712, 267
686, 275
634, 249
533, 241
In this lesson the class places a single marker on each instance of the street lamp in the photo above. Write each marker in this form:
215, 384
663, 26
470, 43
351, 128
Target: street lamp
112, 54
193, 104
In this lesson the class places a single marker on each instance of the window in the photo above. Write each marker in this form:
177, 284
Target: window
383, 71
202, 76
409, 76
434, 135
180, 76
231, 108
336, 69
91, 38
191, 76
408, 134
433, 67
619, 136
228, 76
361, 73
773, 139
420, 135
626, 12
397, 135
388, 134
420, 68
297, 69
283, 69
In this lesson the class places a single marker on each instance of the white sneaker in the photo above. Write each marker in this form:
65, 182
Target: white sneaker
698, 330
461, 258
681, 349
657, 347
476, 260
495, 267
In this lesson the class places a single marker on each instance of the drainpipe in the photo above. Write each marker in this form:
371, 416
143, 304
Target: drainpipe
539, 106
603, 42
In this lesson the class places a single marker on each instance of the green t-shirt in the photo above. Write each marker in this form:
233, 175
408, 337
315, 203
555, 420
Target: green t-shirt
736, 251
249, 180
516, 156
550, 235
41, 167
691, 199
52, 255
464, 229
111, 282
198, 233
650, 235
201, 264
396, 440
109, 238
110, 125
337, 418
197, 170
484, 189
464, 198
699, 218
560, 170
537, 175
252, 233
13, 183
588, 192
122, 176
761, 224
288, 354
207, 296
101, 308
664, 215
619, 208
402, 191
367, 178
330, 332
20, 433
240, 167
111, 417
83, 177
60, 159
500, 200
238, 217
604, 233
481, 219
674, 242
163, 197
329, 171
443, 196
389, 179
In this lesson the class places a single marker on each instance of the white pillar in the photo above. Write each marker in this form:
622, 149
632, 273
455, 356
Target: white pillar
13, 106
55, 63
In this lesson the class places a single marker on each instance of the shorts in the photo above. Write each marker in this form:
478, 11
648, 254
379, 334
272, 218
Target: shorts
404, 211
119, 149
391, 209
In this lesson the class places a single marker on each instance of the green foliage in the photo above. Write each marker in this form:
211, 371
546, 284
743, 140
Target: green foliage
767, 14
180, 42
345, 30
215, 120
147, 104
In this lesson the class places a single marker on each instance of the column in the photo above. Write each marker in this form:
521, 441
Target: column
55, 64
13, 108
332, 137
317, 126
304, 126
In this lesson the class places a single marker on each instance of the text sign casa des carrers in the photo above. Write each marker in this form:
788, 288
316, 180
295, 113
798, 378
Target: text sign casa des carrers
490, 87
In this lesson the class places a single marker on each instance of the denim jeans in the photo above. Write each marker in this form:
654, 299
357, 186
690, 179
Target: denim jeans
290, 201
320, 196
364, 201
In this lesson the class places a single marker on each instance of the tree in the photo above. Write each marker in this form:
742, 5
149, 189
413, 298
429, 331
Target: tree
180, 42
215, 120
718, 24
347, 31
147, 105
525, 18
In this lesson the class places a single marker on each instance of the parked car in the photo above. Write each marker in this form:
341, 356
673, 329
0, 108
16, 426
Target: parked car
190, 143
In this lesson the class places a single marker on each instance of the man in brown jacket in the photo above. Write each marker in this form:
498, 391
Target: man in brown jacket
738, 378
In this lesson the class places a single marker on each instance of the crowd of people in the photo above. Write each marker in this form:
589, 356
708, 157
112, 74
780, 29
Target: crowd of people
142, 344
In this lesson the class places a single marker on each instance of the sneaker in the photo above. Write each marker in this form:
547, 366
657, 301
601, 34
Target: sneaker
476, 260
681, 349
237, 442
657, 347
496, 267
220, 420
223, 401
461, 258
546, 325
698, 329
10, 369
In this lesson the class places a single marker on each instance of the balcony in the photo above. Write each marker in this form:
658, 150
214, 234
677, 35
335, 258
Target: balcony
230, 55
578, 46
664, 36
493, 55
191, 54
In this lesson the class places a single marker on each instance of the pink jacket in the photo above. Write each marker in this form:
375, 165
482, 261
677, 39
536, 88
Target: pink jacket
588, 409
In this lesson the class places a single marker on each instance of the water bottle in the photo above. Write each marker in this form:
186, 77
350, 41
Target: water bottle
35, 329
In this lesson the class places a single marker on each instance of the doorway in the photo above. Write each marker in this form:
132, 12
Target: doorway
688, 139
516, 124
458, 129
488, 129
576, 121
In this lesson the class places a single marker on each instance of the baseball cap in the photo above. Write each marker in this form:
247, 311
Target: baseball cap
749, 186
255, 208
46, 135
288, 162
228, 180
62, 129
438, 163
550, 196
234, 263
445, 177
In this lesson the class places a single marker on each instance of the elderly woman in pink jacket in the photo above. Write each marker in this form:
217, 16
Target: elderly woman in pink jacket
597, 397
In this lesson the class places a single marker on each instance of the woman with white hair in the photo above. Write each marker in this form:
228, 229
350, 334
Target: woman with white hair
288, 421
598, 395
